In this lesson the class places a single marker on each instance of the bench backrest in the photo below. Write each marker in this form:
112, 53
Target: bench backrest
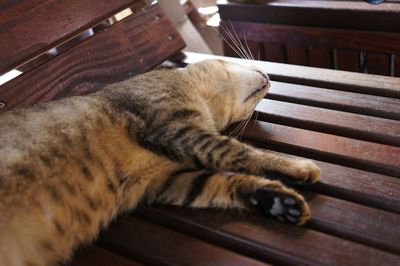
352, 36
93, 48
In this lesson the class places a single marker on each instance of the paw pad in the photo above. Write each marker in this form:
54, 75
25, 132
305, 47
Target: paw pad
281, 205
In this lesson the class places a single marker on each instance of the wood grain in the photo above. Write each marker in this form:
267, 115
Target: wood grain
263, 238
329, 14
98, 256
373, 157
358, 186
369, 226
397, 65
33, 27
133, 46
338, 100
274, 53
378, 63
370, 41
296, 54
156, 245
319, 57
339, 123
348, 60
322, 26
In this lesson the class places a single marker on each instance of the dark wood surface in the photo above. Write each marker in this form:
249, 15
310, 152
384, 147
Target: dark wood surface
355, 206
156, 245
330, 14
95, 255
349, 123
319, 57
378, 63
397, 65
340, 123
29, 28
132, 46
338, 100
315, 36
336, 34
274, 52
319, 37
267, 240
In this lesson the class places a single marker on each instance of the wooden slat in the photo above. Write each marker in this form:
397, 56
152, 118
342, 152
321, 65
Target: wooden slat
374, 157
378, 64
339, 100
369, 226
330, 14
397, 66
274, 52
318, 37
359, 186
348, 60
156, 245
355, 126
320, 57
98, 256
264, 238
333, 79
29, 28
64, 46
297, 54
132, 46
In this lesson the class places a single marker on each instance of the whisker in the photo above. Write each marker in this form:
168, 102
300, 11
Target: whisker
247, 45
224, 39
236, 42
245, 125
237, 129
232, 132
240, 42
255, 118
237, 49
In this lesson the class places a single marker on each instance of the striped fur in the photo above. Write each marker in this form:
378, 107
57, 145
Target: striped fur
69, 167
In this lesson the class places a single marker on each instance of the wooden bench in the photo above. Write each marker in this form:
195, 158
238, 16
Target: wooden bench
132, 46
345, 35
348, 122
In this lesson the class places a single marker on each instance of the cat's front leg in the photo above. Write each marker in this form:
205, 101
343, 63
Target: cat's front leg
204, 189
272, 165
200, 149
288, 170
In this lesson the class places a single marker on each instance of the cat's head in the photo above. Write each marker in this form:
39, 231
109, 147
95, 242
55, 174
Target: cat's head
231, 90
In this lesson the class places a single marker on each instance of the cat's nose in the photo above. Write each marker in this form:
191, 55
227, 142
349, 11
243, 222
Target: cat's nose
265, 77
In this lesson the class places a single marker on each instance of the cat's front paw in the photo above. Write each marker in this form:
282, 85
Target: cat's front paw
303, 171
284, 204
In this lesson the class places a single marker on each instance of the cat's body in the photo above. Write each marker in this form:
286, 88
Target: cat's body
68, 167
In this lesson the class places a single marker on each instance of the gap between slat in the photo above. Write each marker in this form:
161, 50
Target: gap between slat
254, 235
373, 157
334, 122
376, 106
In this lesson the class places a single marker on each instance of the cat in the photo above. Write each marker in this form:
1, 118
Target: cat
69, 167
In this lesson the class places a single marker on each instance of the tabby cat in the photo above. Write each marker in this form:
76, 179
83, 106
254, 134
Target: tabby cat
69, 167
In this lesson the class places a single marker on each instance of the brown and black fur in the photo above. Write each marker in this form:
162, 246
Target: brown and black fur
69, 167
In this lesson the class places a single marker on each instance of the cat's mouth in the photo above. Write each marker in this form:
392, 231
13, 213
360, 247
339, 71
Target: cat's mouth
262, 89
